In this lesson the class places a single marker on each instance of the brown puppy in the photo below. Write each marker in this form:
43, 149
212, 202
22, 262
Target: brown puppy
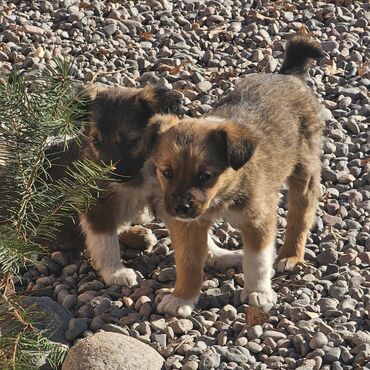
232, 165
118, 119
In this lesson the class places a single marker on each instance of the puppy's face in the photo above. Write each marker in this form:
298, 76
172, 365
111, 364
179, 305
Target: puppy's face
118, 119
195, 159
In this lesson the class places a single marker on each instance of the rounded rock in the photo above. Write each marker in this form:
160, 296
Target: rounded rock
75, 328
181, 326
107, 350
204, 86
319, 340
332, 355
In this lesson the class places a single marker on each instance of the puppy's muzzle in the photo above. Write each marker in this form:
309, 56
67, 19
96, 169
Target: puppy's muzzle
183, 207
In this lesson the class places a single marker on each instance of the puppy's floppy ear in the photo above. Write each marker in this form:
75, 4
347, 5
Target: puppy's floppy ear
160, 99
156, 126
235, 142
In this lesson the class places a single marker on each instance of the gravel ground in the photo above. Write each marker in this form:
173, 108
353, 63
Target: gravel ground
202, 48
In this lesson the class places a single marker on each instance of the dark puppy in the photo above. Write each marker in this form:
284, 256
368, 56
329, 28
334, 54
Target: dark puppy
231, 164
118, 119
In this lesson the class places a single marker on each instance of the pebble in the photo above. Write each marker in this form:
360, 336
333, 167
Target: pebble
91, 285
161, 339
327, 257
254, 347
207, 46
114, 329
361, 337
75, 328
209, 361
204, 86
69, 301
329, 45
255, 332
319, 340
272, 334
69, 270
233, 354
347, 305
33, 30
181, 326
190, 365
167, 274
96, 323
331, 355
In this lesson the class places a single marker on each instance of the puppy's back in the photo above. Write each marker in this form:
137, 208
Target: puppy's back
271, 104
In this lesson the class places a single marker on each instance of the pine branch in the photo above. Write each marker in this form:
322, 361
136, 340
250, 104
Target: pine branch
21, 343
73, 194
32, 205
62, 91
14, 252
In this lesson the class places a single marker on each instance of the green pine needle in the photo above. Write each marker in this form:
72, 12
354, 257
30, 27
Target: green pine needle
32, 207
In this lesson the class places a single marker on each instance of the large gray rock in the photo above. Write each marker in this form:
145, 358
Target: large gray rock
52, 316
112, 351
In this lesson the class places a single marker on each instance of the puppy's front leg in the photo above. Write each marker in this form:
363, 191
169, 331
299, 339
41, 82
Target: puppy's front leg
103, 248
189, 240
259, 254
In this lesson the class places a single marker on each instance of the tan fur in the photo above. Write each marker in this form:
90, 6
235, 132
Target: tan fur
148, 94
191, 259
302, 203
266, 133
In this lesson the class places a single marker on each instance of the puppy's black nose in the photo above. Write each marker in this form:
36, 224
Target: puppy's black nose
183, 207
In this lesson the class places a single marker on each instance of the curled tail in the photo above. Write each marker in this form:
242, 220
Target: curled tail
300, 51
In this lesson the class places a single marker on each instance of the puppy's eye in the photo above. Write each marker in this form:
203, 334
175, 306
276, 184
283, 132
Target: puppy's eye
131, 143
167, 173
97, 143
203, 177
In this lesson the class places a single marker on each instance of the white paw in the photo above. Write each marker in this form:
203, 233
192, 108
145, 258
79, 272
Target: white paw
263, 300
176, 306
228, 259
120, 276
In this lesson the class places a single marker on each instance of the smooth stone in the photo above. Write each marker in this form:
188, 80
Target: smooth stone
181, 326
328, 256
204, 86
331, 355
319, 340
275, 335
107, 350
75, 328
54, 317
254, 347
110, 29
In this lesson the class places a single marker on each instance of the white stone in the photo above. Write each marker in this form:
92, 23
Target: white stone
107, 350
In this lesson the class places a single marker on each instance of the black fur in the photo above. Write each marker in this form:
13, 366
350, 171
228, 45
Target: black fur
167, 101
239, 152
300, 51
235, 150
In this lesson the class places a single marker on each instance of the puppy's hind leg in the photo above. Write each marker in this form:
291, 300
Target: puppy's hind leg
259, 254
103, 248
222, 259
302, 204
